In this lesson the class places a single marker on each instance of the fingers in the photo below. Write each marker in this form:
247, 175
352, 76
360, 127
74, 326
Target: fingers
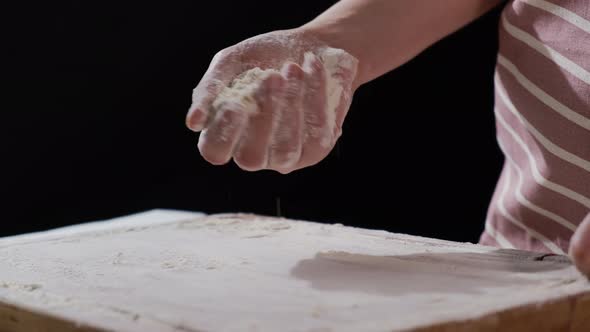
295, 125
218, 140
285, 147
316, 117
205, 94
580, 247
252, 150
221, 71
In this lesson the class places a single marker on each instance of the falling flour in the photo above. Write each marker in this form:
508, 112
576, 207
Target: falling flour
241, 91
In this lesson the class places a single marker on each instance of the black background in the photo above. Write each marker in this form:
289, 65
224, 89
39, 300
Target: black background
93, 123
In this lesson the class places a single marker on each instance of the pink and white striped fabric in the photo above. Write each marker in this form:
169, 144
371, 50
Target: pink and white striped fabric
543, 125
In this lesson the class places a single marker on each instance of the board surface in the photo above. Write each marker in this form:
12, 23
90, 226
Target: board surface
180, 271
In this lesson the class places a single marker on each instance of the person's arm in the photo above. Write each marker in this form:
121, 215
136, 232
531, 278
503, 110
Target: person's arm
580, 247
292, 117
384, 34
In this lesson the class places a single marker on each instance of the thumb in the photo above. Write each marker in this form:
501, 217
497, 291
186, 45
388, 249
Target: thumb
580, 247
221, 71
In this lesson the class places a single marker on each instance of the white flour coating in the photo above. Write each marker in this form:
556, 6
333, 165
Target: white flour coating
241, 91
316, 277
334, 61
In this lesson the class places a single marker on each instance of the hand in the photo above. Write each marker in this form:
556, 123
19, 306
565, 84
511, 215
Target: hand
292, 125
580, 247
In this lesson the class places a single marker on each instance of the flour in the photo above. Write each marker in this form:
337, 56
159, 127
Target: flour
242, 90
314, 276
240, 93
334, 60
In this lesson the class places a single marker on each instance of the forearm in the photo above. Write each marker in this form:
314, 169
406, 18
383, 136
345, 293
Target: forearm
384, 34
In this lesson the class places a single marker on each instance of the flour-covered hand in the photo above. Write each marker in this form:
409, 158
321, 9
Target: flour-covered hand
276, 101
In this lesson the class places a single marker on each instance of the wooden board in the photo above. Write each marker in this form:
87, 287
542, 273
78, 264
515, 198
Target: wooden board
178, 271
